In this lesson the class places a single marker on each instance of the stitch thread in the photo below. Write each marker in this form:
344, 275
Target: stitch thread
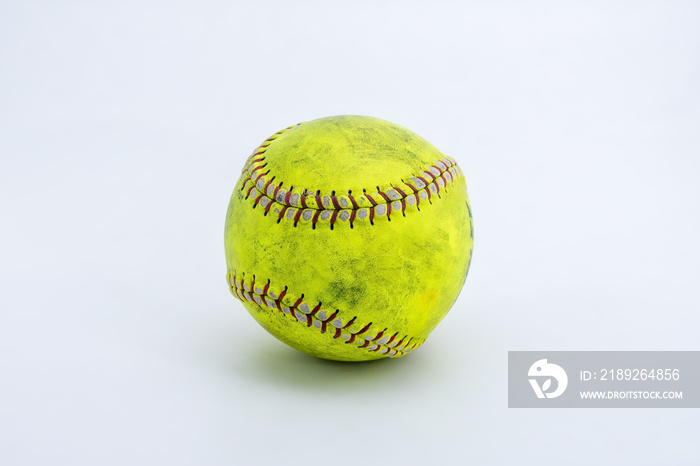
363, 338
312, 206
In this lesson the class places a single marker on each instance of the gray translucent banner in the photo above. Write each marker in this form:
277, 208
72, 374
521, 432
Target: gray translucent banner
604, 379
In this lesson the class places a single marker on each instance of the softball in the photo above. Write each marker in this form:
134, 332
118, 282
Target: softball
348, 237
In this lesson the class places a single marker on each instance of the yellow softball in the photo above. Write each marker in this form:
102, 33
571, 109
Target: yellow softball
348, 237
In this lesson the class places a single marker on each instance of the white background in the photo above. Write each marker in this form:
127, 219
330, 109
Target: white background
123, 129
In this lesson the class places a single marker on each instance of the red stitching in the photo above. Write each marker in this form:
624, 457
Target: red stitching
297, 217
298, 302
279, 299
415, 194
267, 185
388, 203
250, 190
282, 294
427, 187
335, 202
386, 198
352, 321
254, 173
437, 185
268, 206
425, 182
263, 147
260, 175
277, 189
256, 169
263, 298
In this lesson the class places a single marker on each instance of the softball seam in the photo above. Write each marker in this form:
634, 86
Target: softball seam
314, 206
363, 336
